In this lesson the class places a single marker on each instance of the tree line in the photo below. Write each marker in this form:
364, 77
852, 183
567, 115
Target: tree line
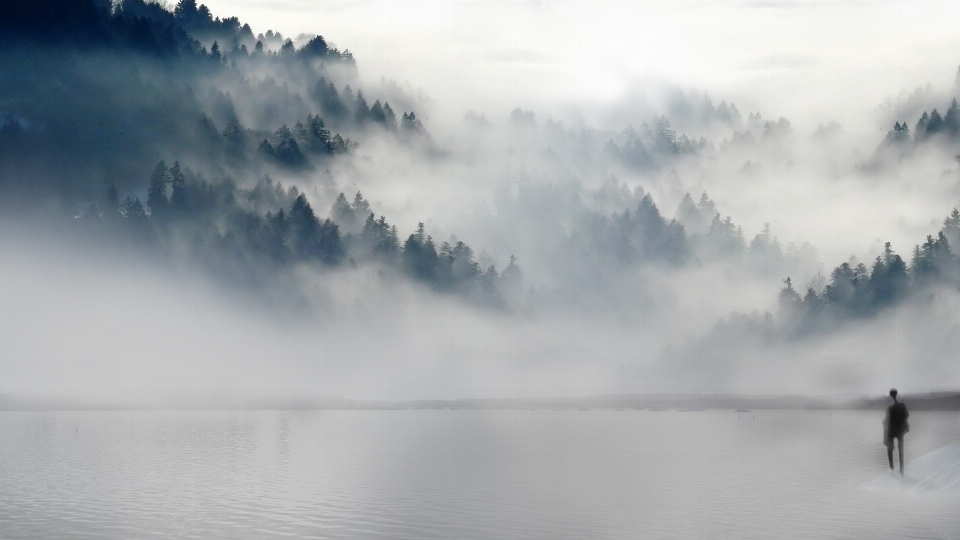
246, 235
93, 90
929, 126
858, 291
654, 143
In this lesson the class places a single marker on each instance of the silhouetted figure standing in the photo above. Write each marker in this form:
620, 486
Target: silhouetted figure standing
895, 426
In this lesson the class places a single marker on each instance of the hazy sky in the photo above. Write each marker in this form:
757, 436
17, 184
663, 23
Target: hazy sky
806, 60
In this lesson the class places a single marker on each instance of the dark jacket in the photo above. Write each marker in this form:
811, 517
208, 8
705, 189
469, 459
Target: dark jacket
895, 424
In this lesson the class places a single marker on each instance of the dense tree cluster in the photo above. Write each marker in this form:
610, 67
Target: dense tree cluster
712, 237
148, 27
653, 145
856, 291
344, 106
694, 109
95, 91
638, 233
645, 235
929, 126
246, 235
290, 147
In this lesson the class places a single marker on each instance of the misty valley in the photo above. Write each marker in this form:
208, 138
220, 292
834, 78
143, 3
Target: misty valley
291, 277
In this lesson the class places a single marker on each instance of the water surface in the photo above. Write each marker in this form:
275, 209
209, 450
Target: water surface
445, 474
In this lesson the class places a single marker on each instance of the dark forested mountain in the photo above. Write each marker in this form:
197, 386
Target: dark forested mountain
249, 236
115, 115
95, 93
165, 126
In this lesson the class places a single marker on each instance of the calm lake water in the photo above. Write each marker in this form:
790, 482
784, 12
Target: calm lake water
456, 474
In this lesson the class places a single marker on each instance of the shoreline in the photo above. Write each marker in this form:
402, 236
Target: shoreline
938, 401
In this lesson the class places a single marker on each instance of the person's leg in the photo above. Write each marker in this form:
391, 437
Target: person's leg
890, 452
900, 448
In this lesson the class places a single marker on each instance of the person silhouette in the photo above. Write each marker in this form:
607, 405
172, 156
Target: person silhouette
895, 426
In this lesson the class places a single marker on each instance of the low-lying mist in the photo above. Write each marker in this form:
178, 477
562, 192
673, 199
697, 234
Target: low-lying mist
201, 213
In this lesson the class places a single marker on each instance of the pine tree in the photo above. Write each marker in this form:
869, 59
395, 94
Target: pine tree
361, 111
789, 300
157, 200
178, 184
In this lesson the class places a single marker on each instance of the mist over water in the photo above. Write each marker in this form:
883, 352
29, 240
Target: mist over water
465, 474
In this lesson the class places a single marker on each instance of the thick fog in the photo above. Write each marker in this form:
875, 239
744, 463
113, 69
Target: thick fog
848, 56
577, 198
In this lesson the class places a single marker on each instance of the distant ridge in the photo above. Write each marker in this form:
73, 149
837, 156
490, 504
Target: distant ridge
936, 401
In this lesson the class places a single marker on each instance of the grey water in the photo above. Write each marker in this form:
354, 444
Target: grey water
462, 474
